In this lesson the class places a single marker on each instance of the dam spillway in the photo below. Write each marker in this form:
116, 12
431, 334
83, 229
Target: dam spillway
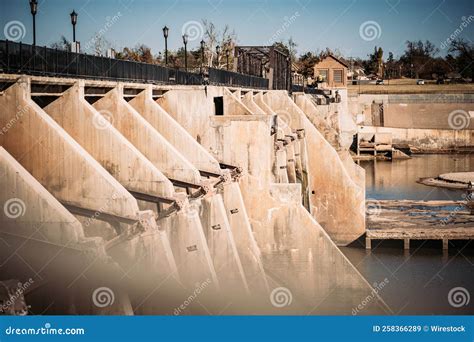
155, 192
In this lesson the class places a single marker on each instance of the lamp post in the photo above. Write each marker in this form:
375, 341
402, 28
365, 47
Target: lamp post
218, 51
34, 9
203, 45
227, 54
73, 22
185, 42
165, 34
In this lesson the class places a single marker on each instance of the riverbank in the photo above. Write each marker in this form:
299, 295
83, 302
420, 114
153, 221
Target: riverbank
409, 86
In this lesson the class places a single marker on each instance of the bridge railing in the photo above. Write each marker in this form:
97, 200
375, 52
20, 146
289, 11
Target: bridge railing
35, 60
230, 78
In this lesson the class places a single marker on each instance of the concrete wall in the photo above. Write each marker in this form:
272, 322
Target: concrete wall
426, 139
327, 173
29, 209
420, 111
106, 144
295, 249
173, 132
55, 159
50, 244
145, 138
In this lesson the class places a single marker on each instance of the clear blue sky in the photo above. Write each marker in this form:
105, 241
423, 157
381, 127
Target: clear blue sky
316, 24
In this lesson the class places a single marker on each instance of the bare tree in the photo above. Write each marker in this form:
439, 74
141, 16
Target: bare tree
226, 39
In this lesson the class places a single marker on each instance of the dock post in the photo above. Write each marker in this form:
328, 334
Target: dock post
445, 244
406, 243
368, 243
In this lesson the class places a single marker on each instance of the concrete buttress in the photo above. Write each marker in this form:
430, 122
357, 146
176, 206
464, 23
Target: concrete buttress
238, 219
157, 149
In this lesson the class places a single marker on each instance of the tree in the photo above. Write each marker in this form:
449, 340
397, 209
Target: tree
418, 58
141, 53
306, 64
100, 45
226, 39
463, 57
62, 44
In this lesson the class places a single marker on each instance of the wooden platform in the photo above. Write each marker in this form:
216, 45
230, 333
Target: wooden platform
418, 220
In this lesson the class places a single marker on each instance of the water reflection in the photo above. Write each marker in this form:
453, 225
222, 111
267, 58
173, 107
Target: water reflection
419, 279
397, 179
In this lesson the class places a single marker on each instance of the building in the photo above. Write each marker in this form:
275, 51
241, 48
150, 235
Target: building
332, 71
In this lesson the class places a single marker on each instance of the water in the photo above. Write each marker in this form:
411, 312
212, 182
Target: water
397, 179
419, 280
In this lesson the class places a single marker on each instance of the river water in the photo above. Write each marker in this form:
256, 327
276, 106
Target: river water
419, 280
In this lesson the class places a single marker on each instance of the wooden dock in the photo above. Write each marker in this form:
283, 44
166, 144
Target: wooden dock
418, 220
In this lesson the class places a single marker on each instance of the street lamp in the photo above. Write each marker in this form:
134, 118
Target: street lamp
227, 54
218, 51
203, 45
185, 42
73, 22
34, 9
165, 34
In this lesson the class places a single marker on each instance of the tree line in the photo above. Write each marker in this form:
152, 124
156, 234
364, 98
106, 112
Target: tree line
420, 59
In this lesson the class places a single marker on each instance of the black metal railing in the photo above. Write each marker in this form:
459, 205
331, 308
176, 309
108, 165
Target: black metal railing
230, 78
35, 60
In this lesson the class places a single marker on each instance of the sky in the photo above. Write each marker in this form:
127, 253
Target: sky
353, 27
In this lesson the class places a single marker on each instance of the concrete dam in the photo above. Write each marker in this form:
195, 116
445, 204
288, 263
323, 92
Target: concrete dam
133, 199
